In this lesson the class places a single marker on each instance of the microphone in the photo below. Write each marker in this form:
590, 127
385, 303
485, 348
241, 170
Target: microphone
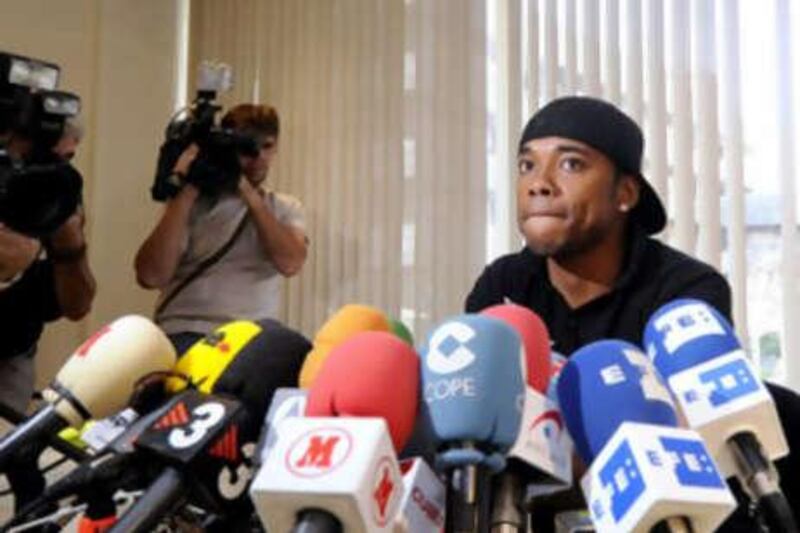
720, 395
336, 469
246, 360
644, 471
97, 380
241, 359
535, 341
397, 327
346, 322
372, 374
424, 498
542, 451
249, 361
288, 402
196, 430
473, 389
96, 478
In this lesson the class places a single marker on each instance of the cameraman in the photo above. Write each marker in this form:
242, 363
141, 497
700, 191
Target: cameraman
220, 257
41, 280
71, 137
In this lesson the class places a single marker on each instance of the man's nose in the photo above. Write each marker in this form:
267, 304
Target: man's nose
541, 184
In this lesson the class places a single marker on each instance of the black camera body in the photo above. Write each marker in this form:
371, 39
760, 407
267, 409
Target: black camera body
38, 190
216, 169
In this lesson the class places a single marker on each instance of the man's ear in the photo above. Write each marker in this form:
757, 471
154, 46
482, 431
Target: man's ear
627, 193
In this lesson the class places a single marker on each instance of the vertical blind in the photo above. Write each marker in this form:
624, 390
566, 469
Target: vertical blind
386, 106
383, 139
676, 67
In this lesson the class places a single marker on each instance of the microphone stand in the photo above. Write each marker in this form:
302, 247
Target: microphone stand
468, 498
507, 514
760, 479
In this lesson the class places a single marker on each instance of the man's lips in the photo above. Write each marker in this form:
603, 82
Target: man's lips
545, 213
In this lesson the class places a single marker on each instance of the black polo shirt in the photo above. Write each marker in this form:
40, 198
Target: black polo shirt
653, 275
25, 306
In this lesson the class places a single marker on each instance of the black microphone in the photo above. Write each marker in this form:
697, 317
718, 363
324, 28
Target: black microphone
242, 360
96, 478
196, 428
246, 360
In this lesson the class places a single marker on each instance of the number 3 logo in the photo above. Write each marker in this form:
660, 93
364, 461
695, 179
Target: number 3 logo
206, 417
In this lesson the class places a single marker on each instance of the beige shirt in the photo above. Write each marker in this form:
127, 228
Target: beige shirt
243, 283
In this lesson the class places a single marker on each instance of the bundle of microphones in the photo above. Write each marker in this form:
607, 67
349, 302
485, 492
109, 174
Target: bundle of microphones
256, 428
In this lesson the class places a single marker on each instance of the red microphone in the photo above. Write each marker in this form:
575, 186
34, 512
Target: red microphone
373, 374
535, 340
336, 469
540, 449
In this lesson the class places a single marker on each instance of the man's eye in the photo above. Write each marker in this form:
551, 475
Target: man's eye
524, 166
573, 164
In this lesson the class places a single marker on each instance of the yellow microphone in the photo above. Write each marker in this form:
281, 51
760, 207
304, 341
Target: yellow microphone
246, 360
206, 360
346, 322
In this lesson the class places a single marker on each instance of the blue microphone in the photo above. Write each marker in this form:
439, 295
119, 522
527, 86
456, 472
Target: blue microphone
473, 389
721, 396
589, 376
644, 471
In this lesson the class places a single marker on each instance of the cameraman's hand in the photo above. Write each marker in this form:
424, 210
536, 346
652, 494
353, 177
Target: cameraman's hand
73, 279
185, 160
250, 194
68, 239
17, 252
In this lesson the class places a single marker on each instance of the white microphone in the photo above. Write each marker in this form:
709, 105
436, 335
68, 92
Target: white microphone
543, 442
721, 396
98, 379
422, 506
341, 472
645, 472
287, 402
649, 473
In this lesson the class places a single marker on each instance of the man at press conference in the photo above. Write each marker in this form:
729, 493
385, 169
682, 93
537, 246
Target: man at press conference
590, 267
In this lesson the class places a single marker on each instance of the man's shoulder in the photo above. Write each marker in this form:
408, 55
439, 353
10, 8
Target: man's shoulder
664, 260
674, 274
286, 200
522, 258
516, 264
508, 276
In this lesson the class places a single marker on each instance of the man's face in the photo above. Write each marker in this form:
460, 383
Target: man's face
255, 168
568, 196
66, 147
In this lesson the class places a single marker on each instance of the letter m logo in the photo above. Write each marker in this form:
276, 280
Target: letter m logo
319, 452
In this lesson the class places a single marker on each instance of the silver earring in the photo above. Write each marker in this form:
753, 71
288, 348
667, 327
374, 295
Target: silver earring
624, 208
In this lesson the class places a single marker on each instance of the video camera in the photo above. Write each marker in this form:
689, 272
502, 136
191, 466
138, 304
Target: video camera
38, 190
216, 168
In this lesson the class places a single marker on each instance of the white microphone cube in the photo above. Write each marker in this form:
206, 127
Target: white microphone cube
287, 402
345, 466
724, 396
647, 473
543, 441
422, 507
